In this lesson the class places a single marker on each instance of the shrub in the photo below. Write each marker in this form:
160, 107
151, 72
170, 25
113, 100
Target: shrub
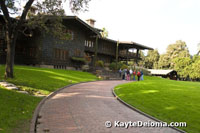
115, 66
100, 63
124, 66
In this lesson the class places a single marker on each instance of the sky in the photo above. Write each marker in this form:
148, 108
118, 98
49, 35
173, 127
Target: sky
154, 23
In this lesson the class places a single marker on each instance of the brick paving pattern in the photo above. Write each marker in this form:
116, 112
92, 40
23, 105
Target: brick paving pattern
84, 108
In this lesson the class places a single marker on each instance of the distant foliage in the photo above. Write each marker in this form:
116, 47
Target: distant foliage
181, 66
187, 68
179, 49
104, 33
142, 56
177, 57
152, 58
195, 68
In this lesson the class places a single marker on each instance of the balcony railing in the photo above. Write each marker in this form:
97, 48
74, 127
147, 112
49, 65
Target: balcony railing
129, 55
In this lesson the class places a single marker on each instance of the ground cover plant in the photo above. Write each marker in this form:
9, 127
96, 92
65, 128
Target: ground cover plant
167, 100
16, 109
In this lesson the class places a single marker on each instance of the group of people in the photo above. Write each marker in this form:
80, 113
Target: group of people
126, 74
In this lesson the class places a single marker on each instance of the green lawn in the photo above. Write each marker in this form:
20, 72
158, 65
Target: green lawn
16, 109
167, 100
46, 80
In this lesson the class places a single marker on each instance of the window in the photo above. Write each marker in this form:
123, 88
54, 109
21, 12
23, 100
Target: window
89, 44
77, 53
61, 54
66, 54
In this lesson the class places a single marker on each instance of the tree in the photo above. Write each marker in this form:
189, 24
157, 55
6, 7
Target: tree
163, 62
142, 61
104, 33
8, 7
152, 58
194, 68
178, 49
182, 66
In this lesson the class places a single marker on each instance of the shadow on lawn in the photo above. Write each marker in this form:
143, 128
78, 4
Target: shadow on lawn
47, 79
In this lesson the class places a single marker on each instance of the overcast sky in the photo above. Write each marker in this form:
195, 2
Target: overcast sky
155, 23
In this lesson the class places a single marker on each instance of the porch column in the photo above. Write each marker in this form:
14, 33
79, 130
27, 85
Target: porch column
117, 52
95, 51
127, 56
137, 56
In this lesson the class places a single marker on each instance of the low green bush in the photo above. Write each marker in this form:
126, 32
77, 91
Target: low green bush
100, 63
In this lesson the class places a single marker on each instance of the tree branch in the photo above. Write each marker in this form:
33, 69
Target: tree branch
5, 12
23, 16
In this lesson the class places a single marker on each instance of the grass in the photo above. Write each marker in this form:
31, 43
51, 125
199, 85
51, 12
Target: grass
46, 80
16, 109
167, 100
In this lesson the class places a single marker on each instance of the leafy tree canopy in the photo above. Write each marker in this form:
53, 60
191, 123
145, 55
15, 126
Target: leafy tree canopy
178, 49
104, 33
152, 58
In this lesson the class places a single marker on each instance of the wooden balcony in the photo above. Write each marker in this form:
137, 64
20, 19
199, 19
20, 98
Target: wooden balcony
100, 51
129, 55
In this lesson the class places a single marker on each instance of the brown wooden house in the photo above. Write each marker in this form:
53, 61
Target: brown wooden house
86, 43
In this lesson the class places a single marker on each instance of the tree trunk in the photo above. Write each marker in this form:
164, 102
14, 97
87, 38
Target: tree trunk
10, 40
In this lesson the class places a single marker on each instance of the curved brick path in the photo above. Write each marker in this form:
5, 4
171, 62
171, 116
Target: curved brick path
84, 108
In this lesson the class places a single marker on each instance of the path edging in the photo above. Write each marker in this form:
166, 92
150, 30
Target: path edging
139, 111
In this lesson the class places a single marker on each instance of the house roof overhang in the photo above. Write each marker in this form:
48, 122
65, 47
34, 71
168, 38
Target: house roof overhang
131, 44
76, 20
107, 39
160, 71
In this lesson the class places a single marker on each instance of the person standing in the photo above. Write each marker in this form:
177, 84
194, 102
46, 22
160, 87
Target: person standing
123, 74
134, 73
128, 75
131, 72
138, 75
142, 75
120, 72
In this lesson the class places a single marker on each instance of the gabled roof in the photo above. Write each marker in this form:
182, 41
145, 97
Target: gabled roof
160, 71
94, 30
75, 19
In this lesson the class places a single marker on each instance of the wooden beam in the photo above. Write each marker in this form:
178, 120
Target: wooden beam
117, 52
127, 56
137, 56
95, 51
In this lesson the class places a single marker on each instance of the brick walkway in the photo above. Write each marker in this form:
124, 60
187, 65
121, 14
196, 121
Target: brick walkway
84, 108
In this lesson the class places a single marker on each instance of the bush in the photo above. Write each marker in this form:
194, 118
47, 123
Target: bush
100, 63
115, 66
124, 66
